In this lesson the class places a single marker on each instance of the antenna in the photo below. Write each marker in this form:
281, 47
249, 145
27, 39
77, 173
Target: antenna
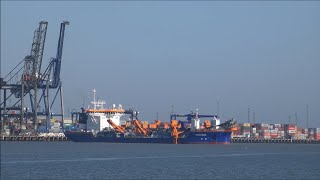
94, 99
289, 119
218, 105
307, 115
248, 114
296, 115
254, 117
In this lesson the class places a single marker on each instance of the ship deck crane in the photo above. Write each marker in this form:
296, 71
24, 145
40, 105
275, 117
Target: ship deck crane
229, 125
191, 116
139, 127
174, 131
116, 127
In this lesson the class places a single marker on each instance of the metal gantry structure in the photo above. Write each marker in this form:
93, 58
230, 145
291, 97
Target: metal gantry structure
27, 79
192, 115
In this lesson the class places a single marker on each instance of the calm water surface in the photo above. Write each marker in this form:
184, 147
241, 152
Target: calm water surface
70, 160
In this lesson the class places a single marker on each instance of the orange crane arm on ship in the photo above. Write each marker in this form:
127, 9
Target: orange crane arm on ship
229, 125
139, 127
117, 128
174, 130
155, 125
207, 124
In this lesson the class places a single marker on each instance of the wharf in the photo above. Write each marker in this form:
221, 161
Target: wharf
34, 138
233, 140
283, 141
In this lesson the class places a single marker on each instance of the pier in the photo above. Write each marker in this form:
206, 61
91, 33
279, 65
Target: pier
233, 140
283, 141
34, 138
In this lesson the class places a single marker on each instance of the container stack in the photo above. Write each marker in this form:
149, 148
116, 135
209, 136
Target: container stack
275, 131
290, 130
246, 129
310, 133
317, 133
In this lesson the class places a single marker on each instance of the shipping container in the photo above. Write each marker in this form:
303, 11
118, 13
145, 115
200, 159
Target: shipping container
305, 131
291, 131
246, 127
247, 135
67, 121
254, 130
56, 124
246, 124
52, 120
274, 131
317, 130
277, 125
267, 137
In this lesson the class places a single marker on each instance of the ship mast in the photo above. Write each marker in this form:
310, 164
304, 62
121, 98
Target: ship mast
97, 104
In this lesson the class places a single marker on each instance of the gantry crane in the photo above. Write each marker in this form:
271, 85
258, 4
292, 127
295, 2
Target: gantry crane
25, 83
28, 79
51, 79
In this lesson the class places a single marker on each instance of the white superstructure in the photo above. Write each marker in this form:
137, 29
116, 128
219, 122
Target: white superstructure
195, 122
98, 116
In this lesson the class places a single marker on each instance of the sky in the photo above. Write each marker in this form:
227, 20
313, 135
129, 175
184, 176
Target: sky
182, 55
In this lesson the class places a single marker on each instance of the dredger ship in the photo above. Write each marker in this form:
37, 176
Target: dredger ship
98, 124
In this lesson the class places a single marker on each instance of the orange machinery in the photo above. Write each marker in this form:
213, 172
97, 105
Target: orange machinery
140, 129
174, 130
207, 124
117, 128
155, 125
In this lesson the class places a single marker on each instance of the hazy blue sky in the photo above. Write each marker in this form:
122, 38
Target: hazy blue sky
151, 55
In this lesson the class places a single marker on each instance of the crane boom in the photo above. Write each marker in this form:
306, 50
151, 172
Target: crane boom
38, 45
138, 126
117, 128
57, 60
174, 131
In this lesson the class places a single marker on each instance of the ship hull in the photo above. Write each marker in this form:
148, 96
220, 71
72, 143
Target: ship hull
192, 138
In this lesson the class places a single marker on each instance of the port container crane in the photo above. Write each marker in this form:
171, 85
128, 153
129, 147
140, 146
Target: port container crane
28, 79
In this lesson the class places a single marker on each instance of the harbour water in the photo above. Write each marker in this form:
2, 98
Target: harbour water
70, 160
